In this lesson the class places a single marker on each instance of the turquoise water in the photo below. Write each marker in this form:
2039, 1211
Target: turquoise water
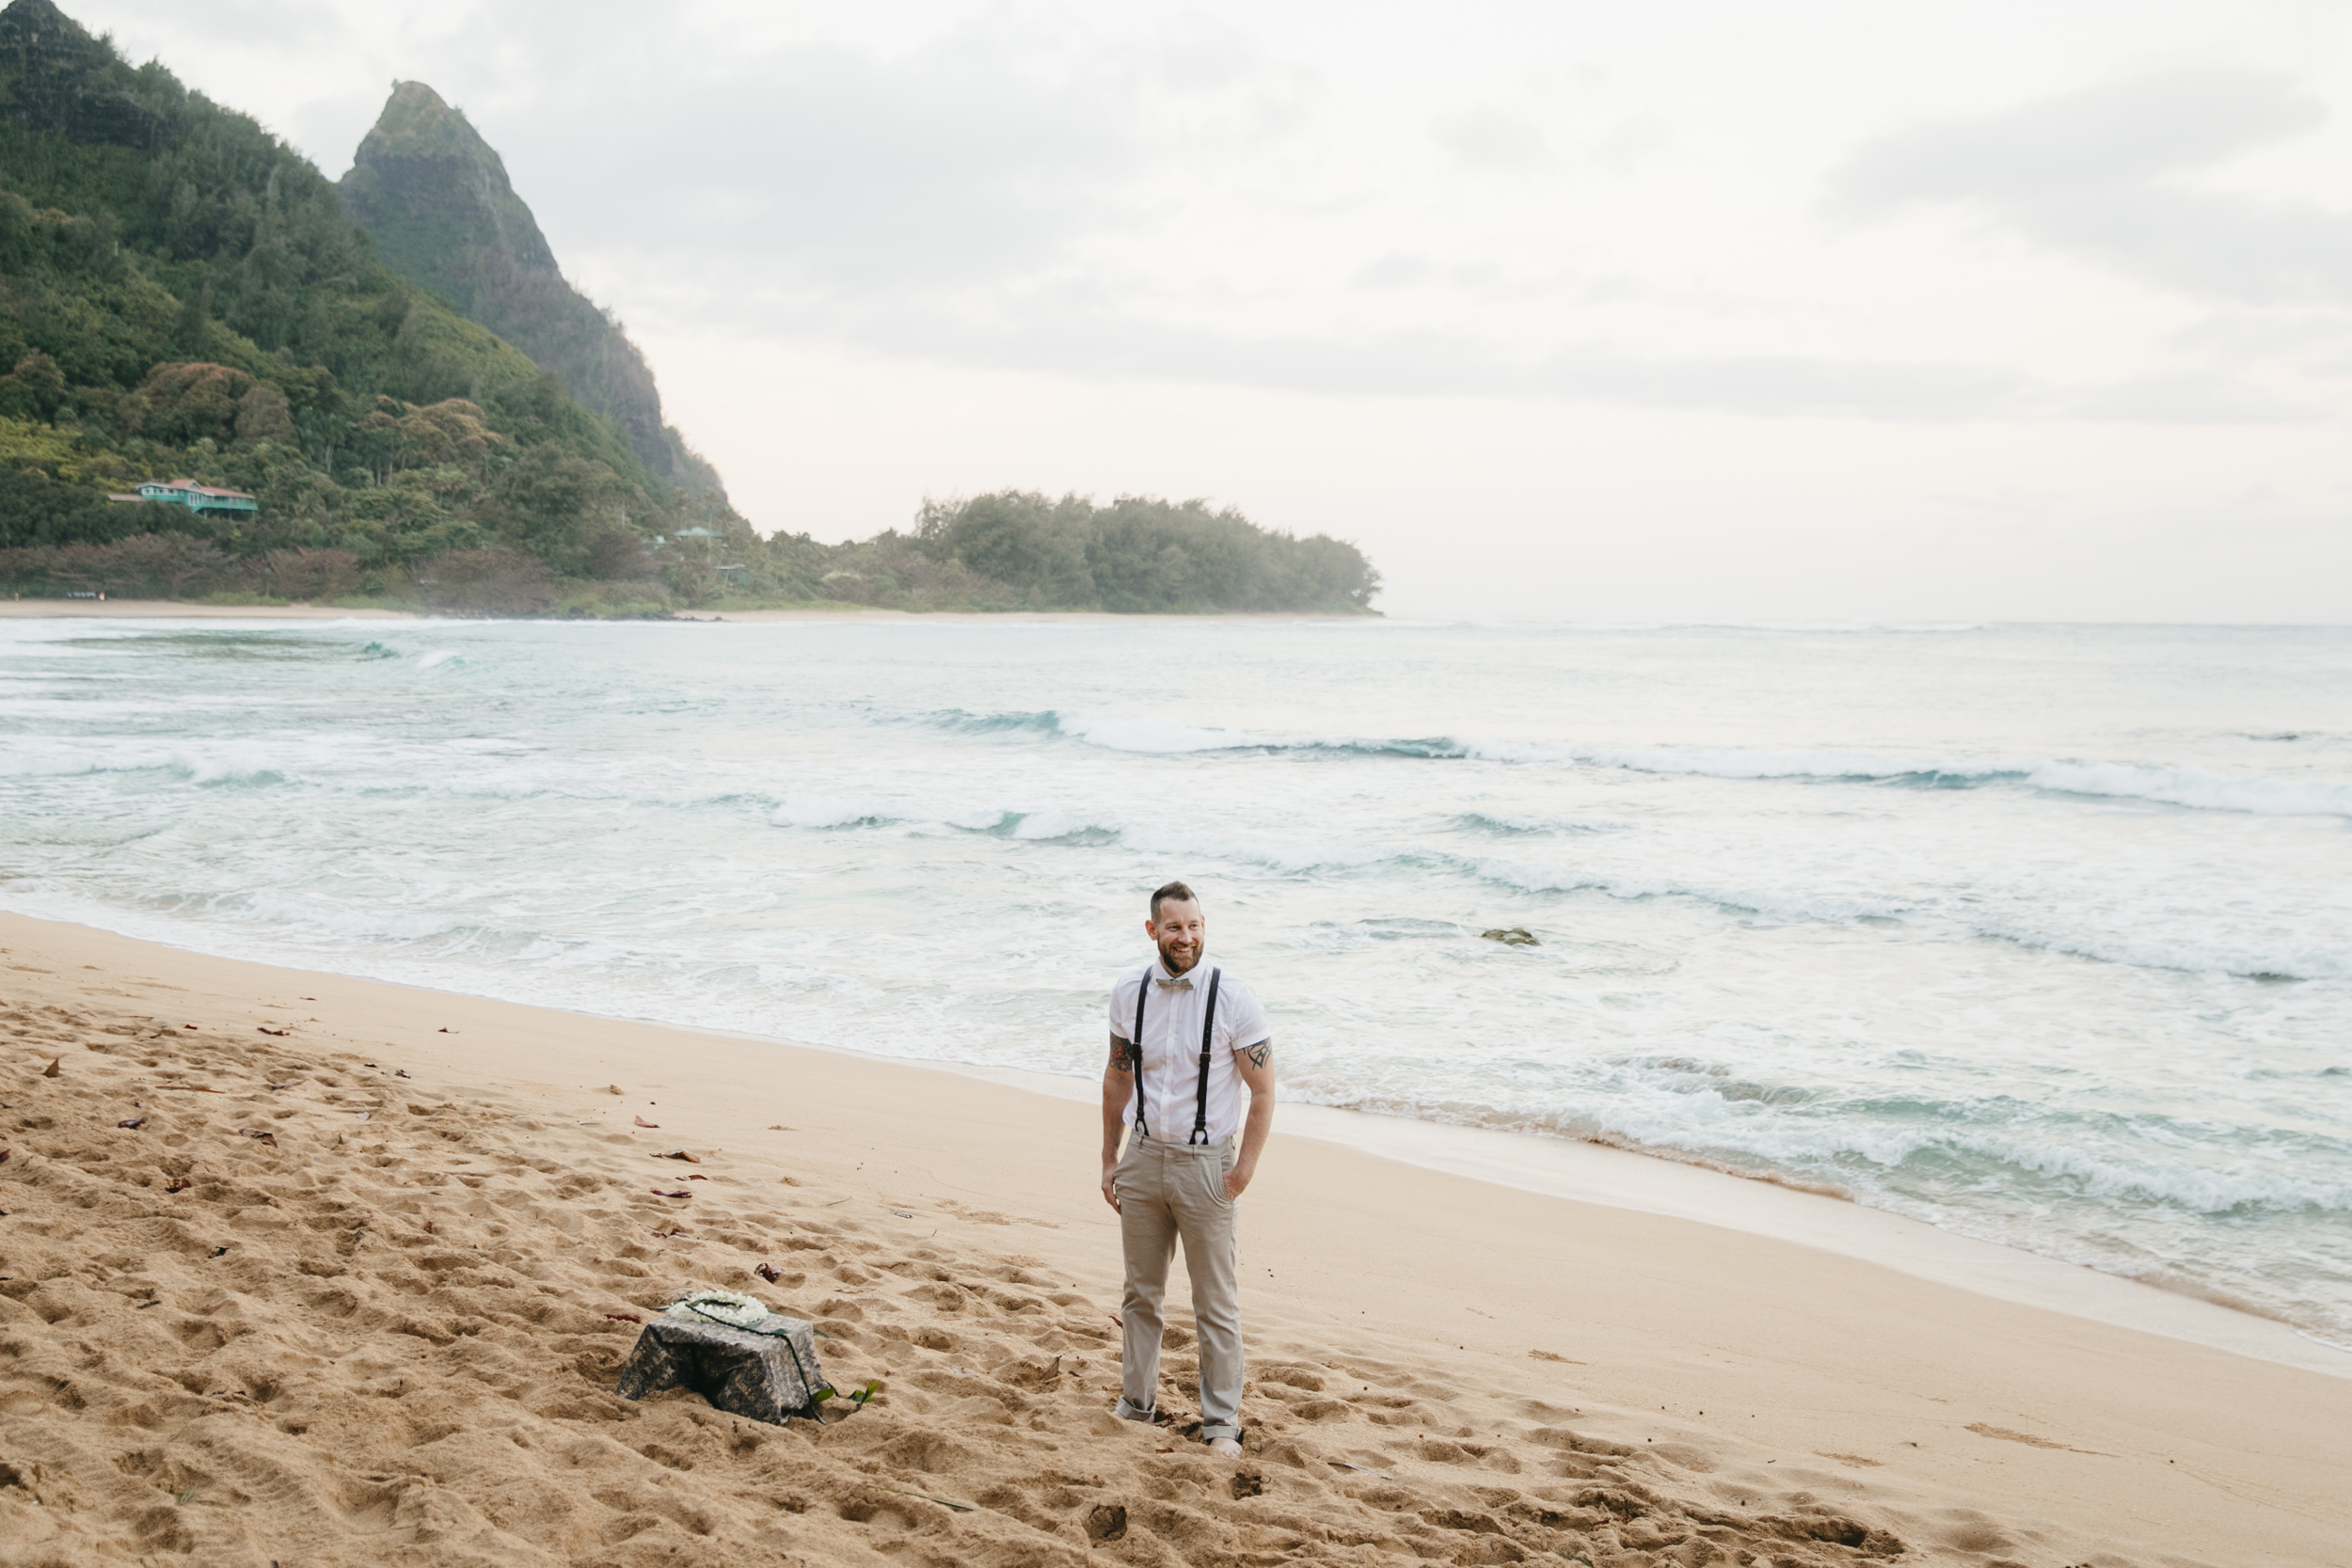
2042, 935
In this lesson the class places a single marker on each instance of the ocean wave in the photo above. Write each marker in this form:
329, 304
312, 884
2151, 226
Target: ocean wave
2189, 787
2204, 950
2164, 785
32, 757
1964, 1148
1886, 1152
2207, 953
295, 913
813, 812
2198, 1189
1524, 877
1059, 827
1885, 1148
1155, 736
1044, 722
1519, 854
2140, 951
2134, 949
1510, 825
2193, 787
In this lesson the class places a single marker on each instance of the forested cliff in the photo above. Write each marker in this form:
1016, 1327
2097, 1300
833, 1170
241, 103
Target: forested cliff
182, 294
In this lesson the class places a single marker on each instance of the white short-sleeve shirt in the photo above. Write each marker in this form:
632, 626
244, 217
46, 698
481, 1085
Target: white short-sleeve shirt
1172, 1025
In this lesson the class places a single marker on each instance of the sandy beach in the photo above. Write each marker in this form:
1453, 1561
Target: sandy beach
387, 1331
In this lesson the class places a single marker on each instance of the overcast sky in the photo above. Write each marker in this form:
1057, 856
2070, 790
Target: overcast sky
1771, 311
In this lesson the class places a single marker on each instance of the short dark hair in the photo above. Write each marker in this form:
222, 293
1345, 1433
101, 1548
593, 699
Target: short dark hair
1177, 891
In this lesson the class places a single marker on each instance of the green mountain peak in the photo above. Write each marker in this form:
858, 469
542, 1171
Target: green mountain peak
436, 200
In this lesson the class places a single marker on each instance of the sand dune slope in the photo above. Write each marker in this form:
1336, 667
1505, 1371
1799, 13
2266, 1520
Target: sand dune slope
268, 1302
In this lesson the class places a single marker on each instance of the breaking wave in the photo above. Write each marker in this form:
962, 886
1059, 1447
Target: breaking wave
2193, 788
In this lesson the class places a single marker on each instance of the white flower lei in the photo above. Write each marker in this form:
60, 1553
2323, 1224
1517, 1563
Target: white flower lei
728, 1307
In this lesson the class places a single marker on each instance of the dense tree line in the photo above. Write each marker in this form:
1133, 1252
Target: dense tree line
1019, 549
1141, 554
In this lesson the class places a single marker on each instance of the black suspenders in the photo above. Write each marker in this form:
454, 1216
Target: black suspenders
1135, 1046
1208, 1038
1208, 1033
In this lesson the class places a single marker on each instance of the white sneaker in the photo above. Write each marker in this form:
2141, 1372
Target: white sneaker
1228, 1446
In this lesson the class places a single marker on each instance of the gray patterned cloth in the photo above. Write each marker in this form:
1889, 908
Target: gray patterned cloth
770, 1376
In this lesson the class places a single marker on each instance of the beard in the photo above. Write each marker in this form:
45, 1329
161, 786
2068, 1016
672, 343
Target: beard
1175, 962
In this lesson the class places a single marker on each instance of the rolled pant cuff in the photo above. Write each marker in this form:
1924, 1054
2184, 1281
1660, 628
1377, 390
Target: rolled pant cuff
1127, 1412
1211, 1431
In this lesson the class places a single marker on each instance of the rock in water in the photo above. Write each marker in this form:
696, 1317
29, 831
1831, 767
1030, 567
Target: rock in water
1512, 935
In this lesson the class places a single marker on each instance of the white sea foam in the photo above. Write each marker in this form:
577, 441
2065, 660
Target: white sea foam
287, 909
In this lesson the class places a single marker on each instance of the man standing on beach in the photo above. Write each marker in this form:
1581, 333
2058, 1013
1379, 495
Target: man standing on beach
1186, 1038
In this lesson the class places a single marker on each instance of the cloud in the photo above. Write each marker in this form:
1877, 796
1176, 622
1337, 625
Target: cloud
1395, 270
2116, 133
1074, 336
961, 162
1632, 143
2188, 397
984, 200
2101, 174
1490, 138
1172, 197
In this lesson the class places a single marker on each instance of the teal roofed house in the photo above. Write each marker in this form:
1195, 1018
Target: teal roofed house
198, 498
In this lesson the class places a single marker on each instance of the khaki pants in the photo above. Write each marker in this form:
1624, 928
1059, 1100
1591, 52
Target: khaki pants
1168, 1192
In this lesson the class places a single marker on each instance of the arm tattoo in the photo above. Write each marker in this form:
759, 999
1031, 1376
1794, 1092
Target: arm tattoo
1260, 1054
1119, 1055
